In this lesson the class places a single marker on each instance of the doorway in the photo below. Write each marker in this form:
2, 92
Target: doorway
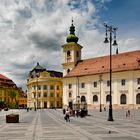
45, 104
70, 105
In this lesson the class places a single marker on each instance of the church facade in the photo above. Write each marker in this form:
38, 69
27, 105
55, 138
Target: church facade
88, 81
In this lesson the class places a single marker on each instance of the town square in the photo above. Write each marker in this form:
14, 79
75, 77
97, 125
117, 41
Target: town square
49, 124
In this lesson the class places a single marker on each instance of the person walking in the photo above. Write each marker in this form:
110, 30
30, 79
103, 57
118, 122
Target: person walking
128, 113
67, 116
64, 111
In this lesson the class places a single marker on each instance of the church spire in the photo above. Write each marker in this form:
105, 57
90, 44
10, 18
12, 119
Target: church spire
72, 37
72, 28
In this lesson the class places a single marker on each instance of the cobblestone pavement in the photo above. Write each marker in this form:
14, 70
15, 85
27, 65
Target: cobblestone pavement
50, 125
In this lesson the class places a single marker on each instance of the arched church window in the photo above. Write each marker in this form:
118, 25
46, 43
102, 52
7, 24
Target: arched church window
138, 62
68, 70
123, 99
138, 98
68, 53
83, 99
95, 98
107, 98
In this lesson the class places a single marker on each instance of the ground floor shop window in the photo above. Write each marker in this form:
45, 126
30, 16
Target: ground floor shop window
45, 104
107, 98
95, 98
83, 99
123, 99
138, 98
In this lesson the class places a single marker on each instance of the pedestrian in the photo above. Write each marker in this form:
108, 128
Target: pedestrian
64, 111
27, 109
128, 113
67, 116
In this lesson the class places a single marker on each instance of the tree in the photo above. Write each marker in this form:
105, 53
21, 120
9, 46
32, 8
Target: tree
12, 95
12, 118
2, 104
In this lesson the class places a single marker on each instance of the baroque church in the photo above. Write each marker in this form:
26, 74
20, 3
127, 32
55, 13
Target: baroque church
87, 81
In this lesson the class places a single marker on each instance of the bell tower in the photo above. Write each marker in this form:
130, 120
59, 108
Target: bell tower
71, 51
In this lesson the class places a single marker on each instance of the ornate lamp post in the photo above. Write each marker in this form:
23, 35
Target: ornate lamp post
37, 76
100, 80
111, 31
78, 102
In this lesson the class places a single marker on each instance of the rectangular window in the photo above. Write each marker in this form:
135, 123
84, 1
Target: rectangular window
57, 103
39, 95
45, 87
52, 87
51, 94
39, 87
57, 87
45, 94
57, 94
51, 104
123, 82
108, 83
138, 81
70, 86
95, 84
70, 95
82, 85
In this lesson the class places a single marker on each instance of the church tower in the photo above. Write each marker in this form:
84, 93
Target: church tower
71, 51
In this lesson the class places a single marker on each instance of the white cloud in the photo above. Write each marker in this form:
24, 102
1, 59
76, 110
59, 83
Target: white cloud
33, 31
128, 44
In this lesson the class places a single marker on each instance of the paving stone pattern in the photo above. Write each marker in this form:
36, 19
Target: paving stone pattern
50, 125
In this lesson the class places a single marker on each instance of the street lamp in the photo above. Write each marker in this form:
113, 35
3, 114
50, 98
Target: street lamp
100, 80
78, 102
37, 76
111, 31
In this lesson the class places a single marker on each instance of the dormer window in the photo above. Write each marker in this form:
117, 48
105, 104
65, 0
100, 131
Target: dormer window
138, 62
138, 81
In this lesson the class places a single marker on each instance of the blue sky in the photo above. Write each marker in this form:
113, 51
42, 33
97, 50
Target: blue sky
124, 14
33, 31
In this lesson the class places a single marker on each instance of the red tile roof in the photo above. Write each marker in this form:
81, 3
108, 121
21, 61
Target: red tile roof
120, 62
4, 77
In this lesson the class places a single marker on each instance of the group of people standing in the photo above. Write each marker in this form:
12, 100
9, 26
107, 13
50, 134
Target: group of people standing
69, 112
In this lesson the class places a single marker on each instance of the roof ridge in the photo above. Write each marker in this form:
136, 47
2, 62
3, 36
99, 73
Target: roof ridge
96, 65
4, 77
123, 53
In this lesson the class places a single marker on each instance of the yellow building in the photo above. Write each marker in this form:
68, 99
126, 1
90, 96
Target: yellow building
44, 88
22, 98
7, 87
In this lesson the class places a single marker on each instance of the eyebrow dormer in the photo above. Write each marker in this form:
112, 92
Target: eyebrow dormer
138, 62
